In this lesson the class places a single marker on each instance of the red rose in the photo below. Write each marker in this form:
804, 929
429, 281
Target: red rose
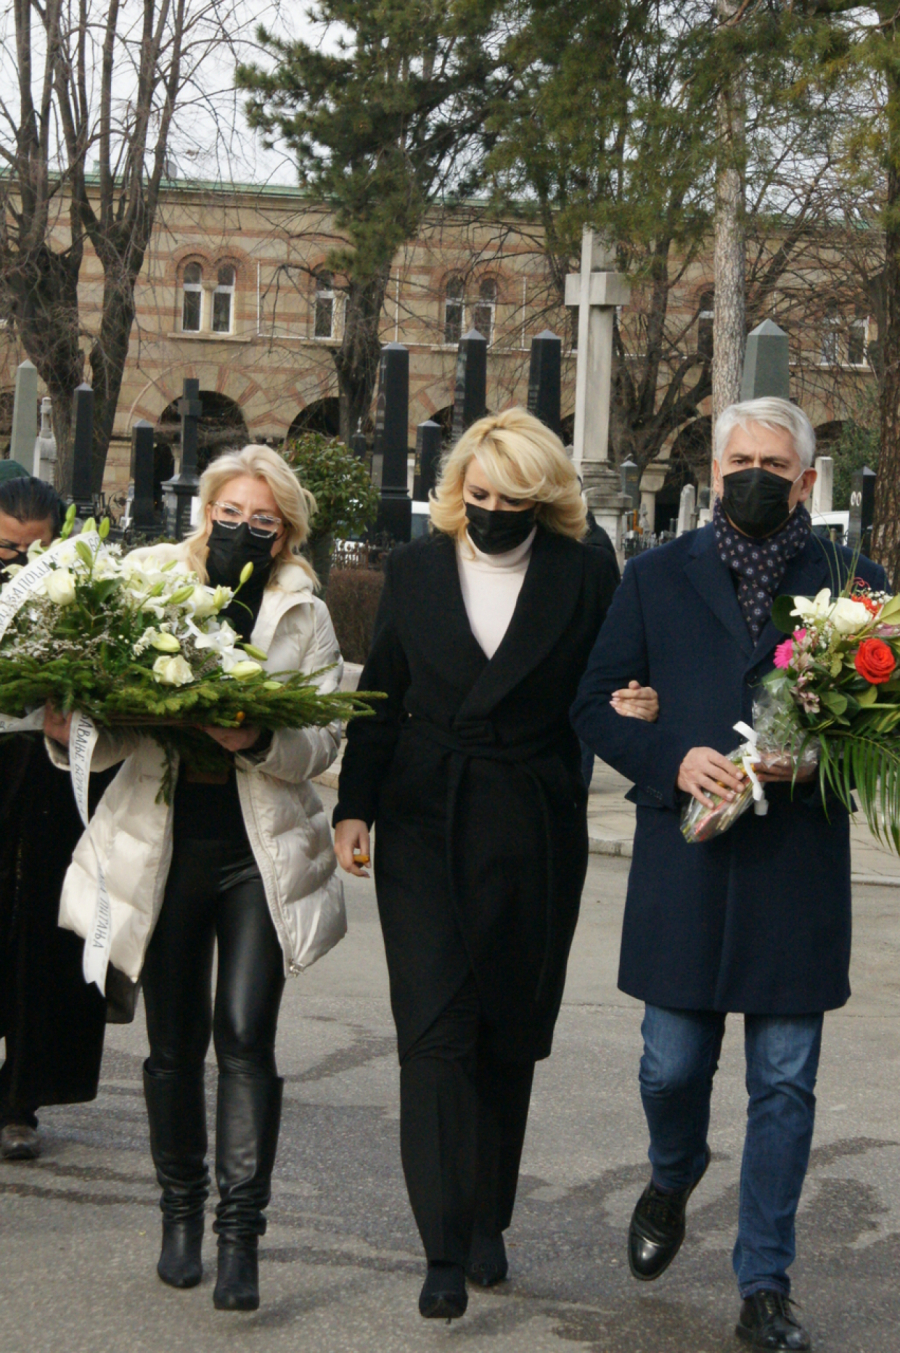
874, 661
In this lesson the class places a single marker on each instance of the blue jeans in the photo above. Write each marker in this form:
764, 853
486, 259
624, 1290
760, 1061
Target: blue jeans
681, 1055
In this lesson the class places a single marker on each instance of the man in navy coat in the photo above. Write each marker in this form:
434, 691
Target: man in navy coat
756, 920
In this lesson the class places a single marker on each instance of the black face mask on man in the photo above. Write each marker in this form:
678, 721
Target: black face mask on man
498, 532
757, 501
231, 548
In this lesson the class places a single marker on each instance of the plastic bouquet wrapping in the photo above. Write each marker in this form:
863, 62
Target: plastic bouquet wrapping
130, 642
837, 683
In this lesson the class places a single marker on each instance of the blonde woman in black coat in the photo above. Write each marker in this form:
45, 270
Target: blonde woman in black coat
471, 772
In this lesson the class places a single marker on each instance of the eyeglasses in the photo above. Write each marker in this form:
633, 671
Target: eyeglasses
11, 547
261, 524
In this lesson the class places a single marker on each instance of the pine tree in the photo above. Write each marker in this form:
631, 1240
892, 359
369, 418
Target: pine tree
386, 119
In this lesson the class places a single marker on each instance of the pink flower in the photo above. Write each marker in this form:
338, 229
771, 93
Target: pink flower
784, 653
799, 636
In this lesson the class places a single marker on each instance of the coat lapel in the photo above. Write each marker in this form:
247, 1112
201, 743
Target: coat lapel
806, 574
550, 593
451, 645
713, 581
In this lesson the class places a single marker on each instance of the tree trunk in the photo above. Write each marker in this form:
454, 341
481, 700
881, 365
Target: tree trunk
109, 354
886, 530
356, 360
729, 311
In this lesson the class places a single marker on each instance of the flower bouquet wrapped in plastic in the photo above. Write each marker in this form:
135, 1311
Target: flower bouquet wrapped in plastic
127, 641
699, 823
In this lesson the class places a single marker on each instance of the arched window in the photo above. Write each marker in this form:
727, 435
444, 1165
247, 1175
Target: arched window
454, 309
705, 325
324, 317
223, 300
192, 288
484, 312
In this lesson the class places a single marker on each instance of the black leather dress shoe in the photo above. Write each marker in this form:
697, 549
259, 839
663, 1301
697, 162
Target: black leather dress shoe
657, 1229
487, 1264
766, 1322
444, 1295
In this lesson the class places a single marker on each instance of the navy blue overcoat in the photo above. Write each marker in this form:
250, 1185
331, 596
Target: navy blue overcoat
758, 919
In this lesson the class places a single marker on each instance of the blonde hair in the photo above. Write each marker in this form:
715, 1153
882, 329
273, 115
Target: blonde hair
295, 505
522, 459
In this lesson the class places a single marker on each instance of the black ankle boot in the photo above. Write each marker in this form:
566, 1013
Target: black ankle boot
248, 1115
487, 1264
443, 1295
176, 1111
237, 1282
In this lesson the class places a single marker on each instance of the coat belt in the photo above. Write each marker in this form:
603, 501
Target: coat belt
475, 741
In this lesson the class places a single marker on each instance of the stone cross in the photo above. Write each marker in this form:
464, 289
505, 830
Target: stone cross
24, 423
545, 380
391, 432
596, 291
45, 446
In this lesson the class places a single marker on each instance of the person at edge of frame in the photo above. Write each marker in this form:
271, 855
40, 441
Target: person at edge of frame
53, 1023
471, 774
241, 862
757, 920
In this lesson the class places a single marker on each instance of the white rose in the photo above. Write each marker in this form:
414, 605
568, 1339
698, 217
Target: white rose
847, 616
59, 586
172, 671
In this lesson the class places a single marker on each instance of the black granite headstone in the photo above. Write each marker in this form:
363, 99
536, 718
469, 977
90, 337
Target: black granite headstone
862, 509
142, 514
428, 457
631, 482
545, 380
184, 486
391, 424
470, 391
358, 445
82, 451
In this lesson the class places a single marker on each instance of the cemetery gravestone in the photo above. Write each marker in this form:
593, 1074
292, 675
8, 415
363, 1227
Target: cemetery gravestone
24, 423
141, 514
45, 446
391, 424
862, 509
183, 487
428, 456
766, 364
470, 391
82, 451
545, 380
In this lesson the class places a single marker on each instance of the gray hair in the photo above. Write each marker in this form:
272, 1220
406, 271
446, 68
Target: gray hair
770, 413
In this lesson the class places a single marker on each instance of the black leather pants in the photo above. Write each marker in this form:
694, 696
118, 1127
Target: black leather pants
463, 1114
214, 894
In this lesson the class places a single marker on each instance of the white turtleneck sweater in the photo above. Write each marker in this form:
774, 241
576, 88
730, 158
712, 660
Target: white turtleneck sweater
491, 584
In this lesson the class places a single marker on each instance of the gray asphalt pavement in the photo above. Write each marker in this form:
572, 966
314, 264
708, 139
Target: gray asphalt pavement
341, 1266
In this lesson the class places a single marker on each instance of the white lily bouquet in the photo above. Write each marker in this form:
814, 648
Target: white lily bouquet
127, 641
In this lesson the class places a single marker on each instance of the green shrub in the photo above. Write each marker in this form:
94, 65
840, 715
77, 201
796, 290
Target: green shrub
352, 597
346, 501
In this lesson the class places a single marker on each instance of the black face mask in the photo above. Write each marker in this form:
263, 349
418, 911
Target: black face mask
497, 532
231, 549
756, 501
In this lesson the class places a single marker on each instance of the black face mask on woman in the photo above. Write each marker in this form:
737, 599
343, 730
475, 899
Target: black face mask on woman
231, 548
497, 532
756, 501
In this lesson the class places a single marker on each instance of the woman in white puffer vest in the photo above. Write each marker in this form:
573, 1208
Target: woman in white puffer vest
245, 861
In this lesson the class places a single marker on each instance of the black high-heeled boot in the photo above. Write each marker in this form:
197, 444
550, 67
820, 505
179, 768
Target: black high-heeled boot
176, 1111
248, 1115
443, 1295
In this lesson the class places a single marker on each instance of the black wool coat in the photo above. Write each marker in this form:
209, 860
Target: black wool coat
52, 1020
471, 773
758, 919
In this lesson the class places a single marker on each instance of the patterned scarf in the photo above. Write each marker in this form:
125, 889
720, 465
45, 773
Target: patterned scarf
759, 564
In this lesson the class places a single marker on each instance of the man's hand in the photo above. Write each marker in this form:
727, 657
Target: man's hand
351, 846
636, 702
56, 725
782, 774
704, 771
233, 739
